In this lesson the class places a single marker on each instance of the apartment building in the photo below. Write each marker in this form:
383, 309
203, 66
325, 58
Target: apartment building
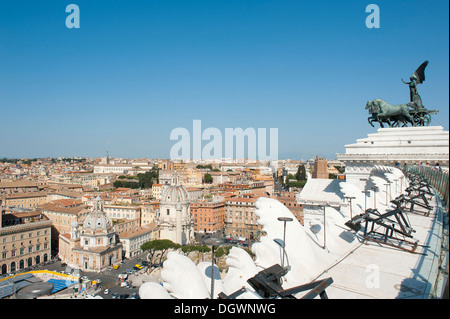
121, 169
195, 193
63, 213
24, 200
21, 186
209, 216
25, 243
149, 212
157, 190
133, 240
117, 211
240, 218
289, 200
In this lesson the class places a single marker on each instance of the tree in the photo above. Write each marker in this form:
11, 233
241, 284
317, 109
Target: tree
158, 245
298, 184
146, 179
204, 166
187, 249
199, 249
301, 173
126, 184
207, 178
221, 251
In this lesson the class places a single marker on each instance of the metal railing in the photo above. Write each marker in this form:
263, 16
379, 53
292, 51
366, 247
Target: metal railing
437, 178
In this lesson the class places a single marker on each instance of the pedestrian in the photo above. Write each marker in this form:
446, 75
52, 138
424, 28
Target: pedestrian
437, 167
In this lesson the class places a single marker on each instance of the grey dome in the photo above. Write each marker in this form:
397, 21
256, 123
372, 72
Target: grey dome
175, 193
97, 219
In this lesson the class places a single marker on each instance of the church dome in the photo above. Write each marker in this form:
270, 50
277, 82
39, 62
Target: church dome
175, 193
97, 220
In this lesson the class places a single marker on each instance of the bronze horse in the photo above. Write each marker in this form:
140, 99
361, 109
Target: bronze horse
383, 112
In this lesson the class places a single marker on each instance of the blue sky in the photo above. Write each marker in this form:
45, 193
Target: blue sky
135, 70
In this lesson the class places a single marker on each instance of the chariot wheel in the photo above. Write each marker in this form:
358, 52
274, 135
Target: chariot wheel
422, 119
426, 119
417, 119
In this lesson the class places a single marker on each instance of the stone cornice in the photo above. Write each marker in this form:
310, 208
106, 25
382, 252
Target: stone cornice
393, 157
25, 227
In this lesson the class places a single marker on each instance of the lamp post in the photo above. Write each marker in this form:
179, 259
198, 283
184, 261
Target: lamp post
365, 199
324, 229
213, 242
387, 185
350, 199
284, 220
374, 188
401, 184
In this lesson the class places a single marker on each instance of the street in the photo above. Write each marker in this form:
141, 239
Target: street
109, 278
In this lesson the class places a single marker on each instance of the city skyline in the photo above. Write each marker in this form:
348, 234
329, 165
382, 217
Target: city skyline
133, 72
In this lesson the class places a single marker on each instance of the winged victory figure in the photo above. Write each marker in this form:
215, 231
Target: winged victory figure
418, 77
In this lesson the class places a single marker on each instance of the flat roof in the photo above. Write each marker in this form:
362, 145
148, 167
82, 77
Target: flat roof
375, 271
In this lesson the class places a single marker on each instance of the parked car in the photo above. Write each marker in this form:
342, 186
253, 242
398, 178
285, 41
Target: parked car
134, 296
114, 296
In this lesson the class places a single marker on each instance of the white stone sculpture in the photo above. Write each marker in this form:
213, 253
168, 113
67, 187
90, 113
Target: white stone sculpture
308, 253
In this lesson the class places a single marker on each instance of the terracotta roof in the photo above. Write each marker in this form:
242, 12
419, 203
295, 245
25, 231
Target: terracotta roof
18, 184
142, 230
66, 235
67, 202
61, 209
27, 194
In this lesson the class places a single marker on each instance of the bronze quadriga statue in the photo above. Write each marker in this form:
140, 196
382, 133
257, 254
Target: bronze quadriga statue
413, 112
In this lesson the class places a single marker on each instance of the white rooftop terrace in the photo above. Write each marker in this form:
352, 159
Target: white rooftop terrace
376, 271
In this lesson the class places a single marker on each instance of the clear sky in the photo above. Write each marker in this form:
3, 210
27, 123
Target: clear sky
135, 70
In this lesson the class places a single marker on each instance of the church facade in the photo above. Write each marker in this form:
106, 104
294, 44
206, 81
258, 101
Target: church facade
94, 246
